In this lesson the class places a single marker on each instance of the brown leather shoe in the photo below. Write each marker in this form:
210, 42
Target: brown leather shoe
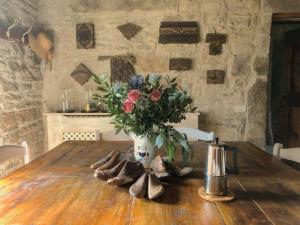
129, 173
184, 171
103, 160
139, 188
159, 168
109, 173
114, 159
155, 188
176, 170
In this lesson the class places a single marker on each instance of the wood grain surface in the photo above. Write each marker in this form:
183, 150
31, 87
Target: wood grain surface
58, 188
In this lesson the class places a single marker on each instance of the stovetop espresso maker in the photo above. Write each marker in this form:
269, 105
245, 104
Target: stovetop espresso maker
215, 179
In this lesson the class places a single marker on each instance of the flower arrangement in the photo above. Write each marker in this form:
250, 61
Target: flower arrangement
147, 106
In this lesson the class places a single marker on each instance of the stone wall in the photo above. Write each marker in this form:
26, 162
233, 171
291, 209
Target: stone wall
20, 87
245, 55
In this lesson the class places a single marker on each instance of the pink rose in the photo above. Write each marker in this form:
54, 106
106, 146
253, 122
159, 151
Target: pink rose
155, 95
127, 106
134, 95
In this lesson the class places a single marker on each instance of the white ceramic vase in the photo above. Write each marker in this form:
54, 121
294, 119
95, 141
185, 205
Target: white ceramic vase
144, 150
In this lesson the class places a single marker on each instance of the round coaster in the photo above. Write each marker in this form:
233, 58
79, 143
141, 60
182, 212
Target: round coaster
214, 198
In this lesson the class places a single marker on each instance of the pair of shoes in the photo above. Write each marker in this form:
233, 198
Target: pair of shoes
106, 161
148, 184
129, 173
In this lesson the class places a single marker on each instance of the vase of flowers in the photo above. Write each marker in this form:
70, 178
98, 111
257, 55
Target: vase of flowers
144, 149
144, 109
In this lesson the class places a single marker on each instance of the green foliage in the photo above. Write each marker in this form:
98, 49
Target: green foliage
148, 117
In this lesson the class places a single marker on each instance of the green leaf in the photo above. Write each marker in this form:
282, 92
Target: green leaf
152, 138
160, 140
101, 88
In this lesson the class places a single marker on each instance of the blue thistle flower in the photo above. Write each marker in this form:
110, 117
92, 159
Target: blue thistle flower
117, 87
136, 82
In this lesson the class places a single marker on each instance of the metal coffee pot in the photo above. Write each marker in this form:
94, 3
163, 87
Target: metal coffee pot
215, 180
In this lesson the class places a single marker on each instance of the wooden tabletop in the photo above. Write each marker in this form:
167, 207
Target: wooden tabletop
59, 189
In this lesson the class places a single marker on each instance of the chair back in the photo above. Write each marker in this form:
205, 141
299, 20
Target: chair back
292, 154
11, 151
196, 134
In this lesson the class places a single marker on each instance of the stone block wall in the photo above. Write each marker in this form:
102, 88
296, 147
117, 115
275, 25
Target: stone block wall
20, 87
245, 55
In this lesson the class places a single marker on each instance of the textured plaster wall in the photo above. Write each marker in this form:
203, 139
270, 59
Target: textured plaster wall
20, 87
245, 55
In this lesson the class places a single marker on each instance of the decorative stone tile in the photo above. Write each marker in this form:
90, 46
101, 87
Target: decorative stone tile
180, 64
215, 76
215, 41
179, 32
81, 74
121, 68
216, 38
129, 30
215, 49
85, 35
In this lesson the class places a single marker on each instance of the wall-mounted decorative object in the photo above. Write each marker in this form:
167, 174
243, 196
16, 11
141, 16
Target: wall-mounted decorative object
122, 68
42, 46
81, 74
179, 32
9, 30
85, 35
215, 49
215, 77
215, 41
180, 64
25, 38
129, 30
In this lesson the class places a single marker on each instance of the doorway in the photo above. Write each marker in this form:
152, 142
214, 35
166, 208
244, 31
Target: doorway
284, 82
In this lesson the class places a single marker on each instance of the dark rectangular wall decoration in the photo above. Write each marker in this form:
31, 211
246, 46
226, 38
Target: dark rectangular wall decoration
121, 68
85, 35
216, 38
180, 64
179, 32
215, 76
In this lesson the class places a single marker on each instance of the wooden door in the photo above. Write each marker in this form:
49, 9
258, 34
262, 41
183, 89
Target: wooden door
290, 104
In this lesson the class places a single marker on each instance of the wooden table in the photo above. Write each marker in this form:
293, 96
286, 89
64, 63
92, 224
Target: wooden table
59, 189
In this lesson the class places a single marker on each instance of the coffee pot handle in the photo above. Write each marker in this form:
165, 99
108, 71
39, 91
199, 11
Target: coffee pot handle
235, 168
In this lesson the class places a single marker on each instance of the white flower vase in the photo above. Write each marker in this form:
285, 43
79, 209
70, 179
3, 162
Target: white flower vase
144, 150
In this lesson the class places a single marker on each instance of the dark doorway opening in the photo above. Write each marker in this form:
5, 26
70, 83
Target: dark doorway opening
284, 81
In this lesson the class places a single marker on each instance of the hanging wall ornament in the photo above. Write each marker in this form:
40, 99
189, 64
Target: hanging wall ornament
85, 35
215, 77
122, 68
81, 74
180, 64
129, 30
215, 40
42, 46
181, 32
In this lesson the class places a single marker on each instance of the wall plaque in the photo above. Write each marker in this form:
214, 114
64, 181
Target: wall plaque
215, 49
216, 38
215, 77
85, 35
81, 74
215, 41
121, 68
179, 32
129, 30
180, 64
